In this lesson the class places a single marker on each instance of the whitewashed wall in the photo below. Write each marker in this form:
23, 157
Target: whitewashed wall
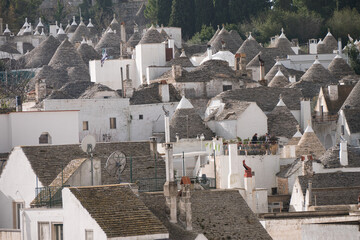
264, 166
304, 61
5, 136
153, 119
32, 216
77, 219
251, 121
25, 128
98, 113
289, 227
330, 231
110, 73
174, 33
129, 126
148, 55
17, 183
297, 198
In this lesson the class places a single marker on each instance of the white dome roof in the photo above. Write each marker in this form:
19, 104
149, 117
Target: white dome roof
222, 55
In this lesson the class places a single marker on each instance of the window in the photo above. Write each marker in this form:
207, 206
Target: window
57, 231
17, 206
342, 129
141, 117
45, 138
85, 125
227, 87
112, 123
43, 230
89, 234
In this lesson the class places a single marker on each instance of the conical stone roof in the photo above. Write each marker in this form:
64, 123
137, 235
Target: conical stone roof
110, 42
250, 47
183, 61
284, 45
72, 27
88, 53
42, 54
214, 36
164, 34
54, 78
93, 31
226, 38
310, 144
151, 36
187, 123
80, 32
66, 56
318, 74
134, 40
339, 68
296, 138
274, 70
353, 100
92, 91
279, 80
61, 35
328, 45
281, 122
235, 35
115, 26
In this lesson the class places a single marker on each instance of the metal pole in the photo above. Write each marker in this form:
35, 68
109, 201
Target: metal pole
89, 151
215, 165
183, 167
155, 171
131, 177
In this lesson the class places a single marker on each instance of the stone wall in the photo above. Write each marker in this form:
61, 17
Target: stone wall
282, 185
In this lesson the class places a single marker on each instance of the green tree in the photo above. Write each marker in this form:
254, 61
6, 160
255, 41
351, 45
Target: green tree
164, 11
203, 36
302, 25
344, 22
354, 57
59, 11
151, 11
182, 15
283, 5
221, 9
348, 4
324, 7
204, 13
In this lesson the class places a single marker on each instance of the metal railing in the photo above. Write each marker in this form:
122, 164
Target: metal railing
325, 118
258, 148
48, 197
150, 184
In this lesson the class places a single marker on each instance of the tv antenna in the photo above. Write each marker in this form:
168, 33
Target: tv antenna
115, 164
87, 145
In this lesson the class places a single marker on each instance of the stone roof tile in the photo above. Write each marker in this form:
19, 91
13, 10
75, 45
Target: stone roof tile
118, 211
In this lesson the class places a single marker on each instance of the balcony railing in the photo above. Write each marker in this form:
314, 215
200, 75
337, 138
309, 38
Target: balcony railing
258, 148
325, 118
48, 197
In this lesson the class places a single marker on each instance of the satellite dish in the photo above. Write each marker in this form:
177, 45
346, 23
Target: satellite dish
115, 164
88, 143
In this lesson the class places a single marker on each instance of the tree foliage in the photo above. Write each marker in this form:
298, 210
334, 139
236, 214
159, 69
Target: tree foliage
354, 57
344, 22
182, 15
164, 11
302, 25
203, 36
204, 13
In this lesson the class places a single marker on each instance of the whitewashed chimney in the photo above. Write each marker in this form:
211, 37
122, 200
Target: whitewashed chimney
333, 92
164, 92
344, 161
209, 52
